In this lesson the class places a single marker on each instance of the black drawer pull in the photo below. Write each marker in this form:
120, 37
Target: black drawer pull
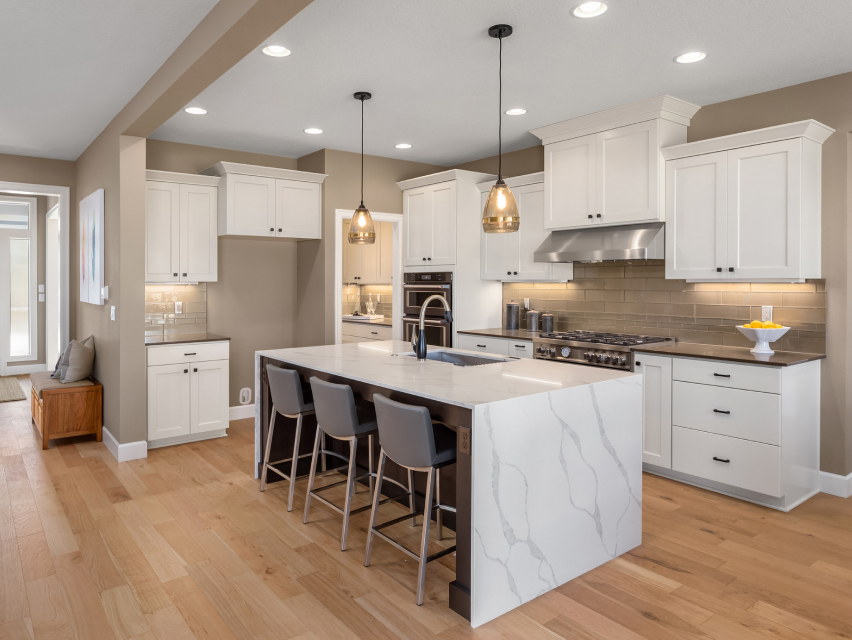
590, 215
481, 345
375, 333
721, 460
186, 370
720, 411
719, 269
189, 354
731, 269
722, 375
520, 346
638, 364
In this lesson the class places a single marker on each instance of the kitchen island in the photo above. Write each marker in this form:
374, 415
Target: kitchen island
548, 480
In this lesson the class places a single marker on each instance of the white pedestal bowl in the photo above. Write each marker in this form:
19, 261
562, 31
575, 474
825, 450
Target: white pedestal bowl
762, 338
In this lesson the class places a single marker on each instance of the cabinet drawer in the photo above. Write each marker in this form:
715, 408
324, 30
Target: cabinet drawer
727, 374
751, 465
191, 352
749, 415
497, 346
520, 348
371, 331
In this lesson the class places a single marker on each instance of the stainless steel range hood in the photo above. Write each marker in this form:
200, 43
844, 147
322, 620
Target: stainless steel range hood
598, 244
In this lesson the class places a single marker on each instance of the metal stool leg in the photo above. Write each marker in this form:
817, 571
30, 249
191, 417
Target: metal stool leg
293, 467
411, 497
438, 516
375, 512
313, 473
324, 461
350, 482
370, 462
268, 448
424, 543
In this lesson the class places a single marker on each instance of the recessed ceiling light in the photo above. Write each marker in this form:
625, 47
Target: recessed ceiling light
516, 112
196, 111
692, 56
589, 10
313, 130
403, 145
276, 51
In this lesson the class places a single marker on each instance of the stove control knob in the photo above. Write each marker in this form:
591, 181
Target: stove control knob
603, 358
566, 351
622, 360
587, 356
540, 349
553, 351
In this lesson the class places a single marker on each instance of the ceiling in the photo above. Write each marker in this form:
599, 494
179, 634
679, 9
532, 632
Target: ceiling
432, 70
69, 66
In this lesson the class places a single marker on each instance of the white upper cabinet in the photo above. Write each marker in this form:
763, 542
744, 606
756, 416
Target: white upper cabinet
605, 168
369, 263
509, 256
181, 228
270, 202
429, 221
746, 207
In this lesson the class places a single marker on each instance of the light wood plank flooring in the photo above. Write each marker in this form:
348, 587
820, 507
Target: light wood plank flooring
183, 546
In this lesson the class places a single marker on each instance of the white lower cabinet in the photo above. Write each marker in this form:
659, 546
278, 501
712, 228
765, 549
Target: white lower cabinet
362, 332
513, 347
747, 430
187, 394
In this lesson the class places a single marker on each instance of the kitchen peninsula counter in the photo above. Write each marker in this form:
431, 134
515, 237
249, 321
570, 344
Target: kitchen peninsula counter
548, 477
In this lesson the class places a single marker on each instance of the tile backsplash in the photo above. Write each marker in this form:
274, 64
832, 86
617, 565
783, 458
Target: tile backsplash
160, 316
354, 294
635, 297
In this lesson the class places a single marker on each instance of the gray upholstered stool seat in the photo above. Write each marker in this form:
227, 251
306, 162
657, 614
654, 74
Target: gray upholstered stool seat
342, 418
292, 401
411, 439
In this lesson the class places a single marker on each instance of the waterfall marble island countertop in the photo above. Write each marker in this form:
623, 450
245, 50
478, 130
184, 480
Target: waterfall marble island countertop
550, 485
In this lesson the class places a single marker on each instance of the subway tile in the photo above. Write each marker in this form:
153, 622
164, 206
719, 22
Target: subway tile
159, 307
803, 345
183, 329
645, 272
586, 283
647, 296
153, 331
736, 340
625, 284
549, 285
154, 296
699, 337
661, 284
686, 310
625, 307
697, 297
722, 286
812, 300
585, 305
820, 285
195, 307
770, 298
606, 296
603, 272
784, 287
723, 311
186, 321
652, 318
656, 331
792, 314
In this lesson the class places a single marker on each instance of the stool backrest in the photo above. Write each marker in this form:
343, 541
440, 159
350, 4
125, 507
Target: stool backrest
405, 432
286, 390
335, 407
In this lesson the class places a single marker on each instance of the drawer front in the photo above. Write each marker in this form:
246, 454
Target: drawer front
192, 352
366, 330
749, 415
497, 346
750, 465
521, 348
728, 374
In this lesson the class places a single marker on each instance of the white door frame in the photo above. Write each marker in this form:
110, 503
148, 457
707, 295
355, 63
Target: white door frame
51, 287
64, 195
396, 219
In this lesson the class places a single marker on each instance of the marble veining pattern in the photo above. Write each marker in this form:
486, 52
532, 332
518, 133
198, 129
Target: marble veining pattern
556, 489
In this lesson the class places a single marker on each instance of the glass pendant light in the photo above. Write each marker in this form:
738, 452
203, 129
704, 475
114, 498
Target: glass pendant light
501, 211
361, 229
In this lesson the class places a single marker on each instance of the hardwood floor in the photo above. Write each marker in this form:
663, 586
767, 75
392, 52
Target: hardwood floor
182, 545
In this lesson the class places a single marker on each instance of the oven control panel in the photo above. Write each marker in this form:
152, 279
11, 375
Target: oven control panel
581, 355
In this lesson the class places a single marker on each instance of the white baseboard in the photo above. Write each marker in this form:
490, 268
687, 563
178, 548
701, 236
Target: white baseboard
125, 452
835, 485
242, 412
12, 370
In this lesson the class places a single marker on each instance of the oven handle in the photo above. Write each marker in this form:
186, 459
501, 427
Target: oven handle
425, 321
425, 286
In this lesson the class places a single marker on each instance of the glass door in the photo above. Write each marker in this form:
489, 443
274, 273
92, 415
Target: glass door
18, 280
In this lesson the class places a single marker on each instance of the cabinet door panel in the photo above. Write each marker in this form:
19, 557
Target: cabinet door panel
168, 401
298, 209
417, 208
569, 183
385, 252
443, 224
628, 174
696, 217
492, 248
251, 205
764, 210
530, 199
657, 409
198, 233
351, 257
209, 396
162, 232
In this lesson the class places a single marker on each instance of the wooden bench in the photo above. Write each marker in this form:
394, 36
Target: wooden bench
65, 410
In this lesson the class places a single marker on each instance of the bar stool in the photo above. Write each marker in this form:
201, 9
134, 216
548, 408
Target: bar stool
411, 440
288, 399
340, 417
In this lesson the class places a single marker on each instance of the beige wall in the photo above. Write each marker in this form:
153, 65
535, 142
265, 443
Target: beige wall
193, 158
515, 163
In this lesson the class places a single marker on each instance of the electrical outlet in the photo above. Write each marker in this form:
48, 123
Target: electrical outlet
112, 313
766, 314
464, 440
527, 304
178, 307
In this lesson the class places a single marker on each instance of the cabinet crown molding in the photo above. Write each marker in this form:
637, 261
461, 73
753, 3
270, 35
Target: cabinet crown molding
517, 181
810, 129
224, 168
444, 176
663, 107
182, 178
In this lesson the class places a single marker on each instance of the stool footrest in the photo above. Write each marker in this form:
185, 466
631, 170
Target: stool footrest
408, 551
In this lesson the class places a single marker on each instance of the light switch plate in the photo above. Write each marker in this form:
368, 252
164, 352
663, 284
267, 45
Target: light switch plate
766, 314
41, 297
112, 313
41, 288
178, 307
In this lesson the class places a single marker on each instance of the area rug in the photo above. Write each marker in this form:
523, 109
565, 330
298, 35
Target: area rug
11, 390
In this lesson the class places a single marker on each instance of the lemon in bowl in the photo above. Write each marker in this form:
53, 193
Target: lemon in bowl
762, 333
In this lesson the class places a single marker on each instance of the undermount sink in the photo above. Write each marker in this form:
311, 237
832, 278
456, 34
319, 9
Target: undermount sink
459, 359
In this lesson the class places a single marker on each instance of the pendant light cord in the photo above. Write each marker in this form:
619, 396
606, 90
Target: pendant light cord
362, 152
500, 126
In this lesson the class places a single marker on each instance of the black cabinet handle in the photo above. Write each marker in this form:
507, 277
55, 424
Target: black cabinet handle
195, 370
175, 275
375, 333
722, 375
590, 215
599, 215
508, 273
719, 269
272, 228
731, 269
481, 345
186, 370
279, 231
720, 411
424, 259
516, 273
428, 258
520, 346
638, 364
721, 460
189, 354
184, 275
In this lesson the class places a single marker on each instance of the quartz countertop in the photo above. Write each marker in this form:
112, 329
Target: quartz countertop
184, 339
384, 364
519, 334
385, 322
730, 354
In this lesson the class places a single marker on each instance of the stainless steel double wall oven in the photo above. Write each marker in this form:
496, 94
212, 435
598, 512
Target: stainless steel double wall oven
416, 289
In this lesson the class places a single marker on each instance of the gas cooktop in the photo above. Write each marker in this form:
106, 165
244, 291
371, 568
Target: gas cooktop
597, 337
594, 348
